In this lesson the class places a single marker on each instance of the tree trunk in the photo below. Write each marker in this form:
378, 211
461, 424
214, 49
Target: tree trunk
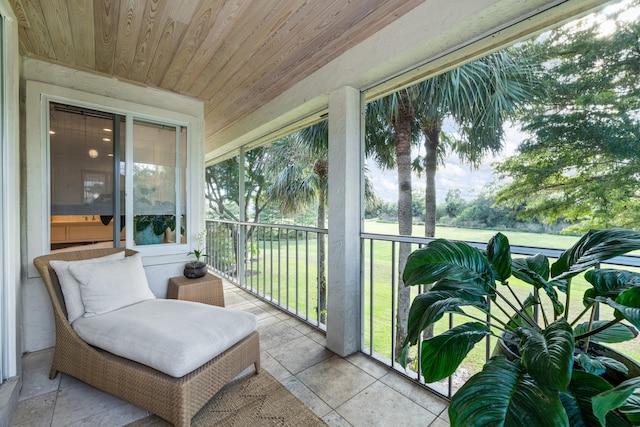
402, 125
432, 141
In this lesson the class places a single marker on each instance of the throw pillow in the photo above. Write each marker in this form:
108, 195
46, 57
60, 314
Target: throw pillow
112, 285
70, 285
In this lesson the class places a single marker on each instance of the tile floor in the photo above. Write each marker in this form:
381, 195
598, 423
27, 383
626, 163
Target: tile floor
355, 391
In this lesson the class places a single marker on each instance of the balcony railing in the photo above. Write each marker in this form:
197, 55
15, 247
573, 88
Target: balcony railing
279, 263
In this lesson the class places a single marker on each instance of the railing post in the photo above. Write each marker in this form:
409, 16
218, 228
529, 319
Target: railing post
242, 230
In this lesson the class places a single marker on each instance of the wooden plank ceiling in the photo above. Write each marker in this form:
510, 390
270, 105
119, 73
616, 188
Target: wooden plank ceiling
235, 55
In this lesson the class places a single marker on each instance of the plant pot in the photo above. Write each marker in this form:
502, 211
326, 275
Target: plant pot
195, 269
148, 237
595, 349
615, 377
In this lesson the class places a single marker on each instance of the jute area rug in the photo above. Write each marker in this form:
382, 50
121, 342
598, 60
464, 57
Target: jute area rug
253, 400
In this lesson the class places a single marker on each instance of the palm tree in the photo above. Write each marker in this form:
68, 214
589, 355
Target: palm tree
479, 97
300, 163
389, 139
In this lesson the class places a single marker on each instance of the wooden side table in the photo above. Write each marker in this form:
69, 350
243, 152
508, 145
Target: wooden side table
206, 289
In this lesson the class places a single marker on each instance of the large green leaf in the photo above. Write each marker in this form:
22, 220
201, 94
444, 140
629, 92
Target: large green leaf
577, 400
613, 334
442, 258
429, 307
614, 398
599, 364
538, 264
499, 255
594, 247
613, 364
535, 270
548, 356
631, 408
471, 287
441, 355
627, 305
608, 283
591, 364
503, 394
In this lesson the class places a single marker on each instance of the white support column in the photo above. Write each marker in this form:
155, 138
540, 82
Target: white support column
345, 154
10, 250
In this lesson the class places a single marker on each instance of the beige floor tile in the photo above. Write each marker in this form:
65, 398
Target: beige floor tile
278, 371
232, 299
81, 401
266, 321
319, 337
439, 422
35, 411
254, 309
283, 316
301, 326
368, 365
299, 354
35, 380
335, 380
380, 405
117, 416
243, 306
436, 405
277, 334
307, 396
333, 419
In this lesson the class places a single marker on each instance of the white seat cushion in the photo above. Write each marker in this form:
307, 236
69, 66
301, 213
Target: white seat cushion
172, 336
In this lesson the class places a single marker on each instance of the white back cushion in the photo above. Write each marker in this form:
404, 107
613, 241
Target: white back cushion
111, 285
70, 285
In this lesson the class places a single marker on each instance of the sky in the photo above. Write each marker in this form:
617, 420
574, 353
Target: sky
453, 175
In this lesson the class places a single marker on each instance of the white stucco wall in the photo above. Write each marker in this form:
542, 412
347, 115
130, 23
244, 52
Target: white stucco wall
41, 81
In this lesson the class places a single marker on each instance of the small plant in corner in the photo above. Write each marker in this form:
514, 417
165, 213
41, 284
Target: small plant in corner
547, 370
197, 268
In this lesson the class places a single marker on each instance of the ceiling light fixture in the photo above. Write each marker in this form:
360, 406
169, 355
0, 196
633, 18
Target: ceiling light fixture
93, 153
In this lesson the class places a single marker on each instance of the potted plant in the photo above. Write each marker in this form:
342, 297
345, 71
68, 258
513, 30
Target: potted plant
197, 268
552, 377
150, 229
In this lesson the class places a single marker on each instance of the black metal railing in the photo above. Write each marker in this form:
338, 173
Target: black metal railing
279, 263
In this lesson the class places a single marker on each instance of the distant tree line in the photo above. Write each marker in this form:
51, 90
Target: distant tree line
481, 212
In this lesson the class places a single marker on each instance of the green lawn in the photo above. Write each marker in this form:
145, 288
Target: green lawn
285, 277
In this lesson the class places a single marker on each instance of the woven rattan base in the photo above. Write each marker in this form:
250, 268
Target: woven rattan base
206, 289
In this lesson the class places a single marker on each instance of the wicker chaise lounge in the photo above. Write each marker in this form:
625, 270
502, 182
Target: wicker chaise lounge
174, 399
